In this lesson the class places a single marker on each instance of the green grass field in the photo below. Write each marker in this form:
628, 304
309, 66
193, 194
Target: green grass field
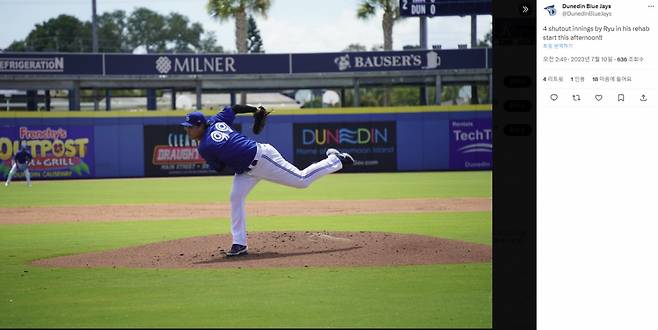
410, 296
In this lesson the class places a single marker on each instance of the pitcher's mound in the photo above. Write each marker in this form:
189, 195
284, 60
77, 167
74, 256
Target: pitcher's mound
286, 249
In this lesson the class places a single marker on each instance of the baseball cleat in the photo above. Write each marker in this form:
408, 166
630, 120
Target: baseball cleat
236, 250
332, 151
344, 157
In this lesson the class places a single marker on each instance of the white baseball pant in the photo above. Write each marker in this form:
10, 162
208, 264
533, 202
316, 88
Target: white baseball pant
271, 166
22, 167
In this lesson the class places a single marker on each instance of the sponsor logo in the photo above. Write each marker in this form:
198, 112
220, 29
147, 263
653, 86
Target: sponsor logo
475, 135
471, 144
387, 61
163, 65
180, 140
433, 60
53, 149
176, 155
467, 132
25, 133
42, 64
344, 136
345, 62
195, 64
476, 147
47, 163
372, 144
44, 142
180, 150
482, 164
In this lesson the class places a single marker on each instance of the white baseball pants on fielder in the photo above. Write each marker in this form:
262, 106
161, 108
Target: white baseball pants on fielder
271, 166
20, 167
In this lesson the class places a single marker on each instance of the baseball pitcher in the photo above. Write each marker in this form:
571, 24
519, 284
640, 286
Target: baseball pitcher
222, 146
20, 162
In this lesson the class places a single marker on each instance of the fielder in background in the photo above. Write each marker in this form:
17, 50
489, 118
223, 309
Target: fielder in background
251, 161
20, 162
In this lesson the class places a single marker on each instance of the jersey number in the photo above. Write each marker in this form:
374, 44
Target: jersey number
221, 133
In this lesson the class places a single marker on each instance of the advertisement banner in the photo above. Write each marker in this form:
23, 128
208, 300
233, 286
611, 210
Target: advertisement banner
57, 151
217, 64
168, 151
372, 144
471, 144
235, 64
418, 60
56, 63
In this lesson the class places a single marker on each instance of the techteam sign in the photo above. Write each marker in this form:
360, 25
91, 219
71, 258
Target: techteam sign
58, 152
471, 144
373, 144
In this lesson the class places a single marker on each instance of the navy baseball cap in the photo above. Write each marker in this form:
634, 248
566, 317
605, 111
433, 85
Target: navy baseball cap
195, 118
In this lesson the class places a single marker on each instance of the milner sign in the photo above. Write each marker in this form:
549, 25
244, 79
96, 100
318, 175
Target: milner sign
236, 64
217, 64
165, 64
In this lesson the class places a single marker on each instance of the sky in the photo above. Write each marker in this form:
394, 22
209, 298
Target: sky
291, 26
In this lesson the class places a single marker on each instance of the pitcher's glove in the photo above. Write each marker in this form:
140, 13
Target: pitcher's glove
260, 116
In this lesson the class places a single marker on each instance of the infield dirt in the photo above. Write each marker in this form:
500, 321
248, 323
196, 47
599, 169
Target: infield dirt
285, 249
268, 249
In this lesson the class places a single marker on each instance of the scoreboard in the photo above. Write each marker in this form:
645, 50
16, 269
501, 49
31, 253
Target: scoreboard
430, 8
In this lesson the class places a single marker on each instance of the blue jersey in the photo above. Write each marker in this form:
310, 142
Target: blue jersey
222, 145
23, 156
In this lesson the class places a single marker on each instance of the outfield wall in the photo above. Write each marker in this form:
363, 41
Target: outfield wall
152, 145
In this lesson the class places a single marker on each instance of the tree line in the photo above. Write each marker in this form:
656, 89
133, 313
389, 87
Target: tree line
119, 32
156, 33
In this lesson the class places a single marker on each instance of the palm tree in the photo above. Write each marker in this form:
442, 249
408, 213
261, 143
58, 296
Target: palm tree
238, 9
391, 9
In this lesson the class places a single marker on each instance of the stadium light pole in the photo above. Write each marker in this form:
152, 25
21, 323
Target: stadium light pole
423, 45
94, 25
94, 44
474, 43
423, 32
